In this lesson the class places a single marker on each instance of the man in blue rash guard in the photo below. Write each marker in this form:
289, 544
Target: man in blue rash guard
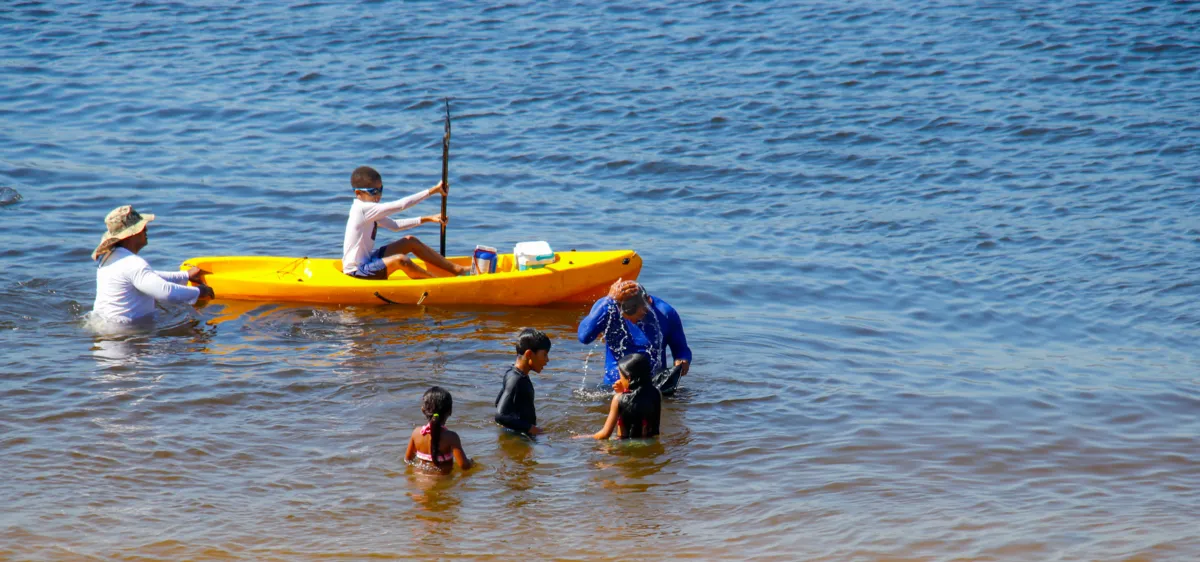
632, 321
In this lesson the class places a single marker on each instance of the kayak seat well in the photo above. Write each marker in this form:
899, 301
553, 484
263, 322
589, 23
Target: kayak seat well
504, 264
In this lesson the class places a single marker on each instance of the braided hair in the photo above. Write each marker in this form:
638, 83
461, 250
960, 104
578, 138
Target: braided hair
437, 405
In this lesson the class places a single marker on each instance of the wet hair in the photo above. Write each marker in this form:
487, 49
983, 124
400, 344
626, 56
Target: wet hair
639, 410
631, 305
532, 339
437, 405
365, 177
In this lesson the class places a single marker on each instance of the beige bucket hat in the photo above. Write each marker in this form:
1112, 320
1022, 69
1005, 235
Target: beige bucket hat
122, 223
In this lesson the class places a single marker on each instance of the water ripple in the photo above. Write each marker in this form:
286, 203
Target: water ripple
935, 260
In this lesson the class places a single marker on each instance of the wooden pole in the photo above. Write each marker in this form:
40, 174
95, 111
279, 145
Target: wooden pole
445, 173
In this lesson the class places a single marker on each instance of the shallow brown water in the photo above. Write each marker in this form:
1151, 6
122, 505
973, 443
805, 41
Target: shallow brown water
937, 263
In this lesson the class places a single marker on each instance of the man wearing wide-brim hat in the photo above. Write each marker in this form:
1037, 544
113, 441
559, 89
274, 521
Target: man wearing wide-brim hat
126, 287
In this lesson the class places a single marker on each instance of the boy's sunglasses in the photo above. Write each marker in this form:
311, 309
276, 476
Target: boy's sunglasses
372, 191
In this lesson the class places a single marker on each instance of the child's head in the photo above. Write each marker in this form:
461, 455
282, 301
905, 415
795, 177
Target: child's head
635, 369
437, 405
533, 349
367, 184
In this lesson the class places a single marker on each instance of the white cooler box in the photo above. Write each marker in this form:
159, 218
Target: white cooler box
533, 255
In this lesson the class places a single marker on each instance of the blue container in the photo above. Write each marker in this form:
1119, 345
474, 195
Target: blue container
483, 261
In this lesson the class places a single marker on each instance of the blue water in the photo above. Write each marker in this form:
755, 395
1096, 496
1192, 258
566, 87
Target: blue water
936, 262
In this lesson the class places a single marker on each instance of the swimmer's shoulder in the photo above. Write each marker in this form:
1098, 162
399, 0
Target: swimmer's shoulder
451, 437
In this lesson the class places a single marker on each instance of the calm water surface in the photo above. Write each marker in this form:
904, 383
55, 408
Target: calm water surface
937, 262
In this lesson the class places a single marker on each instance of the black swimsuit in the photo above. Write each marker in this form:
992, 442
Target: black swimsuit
514, 404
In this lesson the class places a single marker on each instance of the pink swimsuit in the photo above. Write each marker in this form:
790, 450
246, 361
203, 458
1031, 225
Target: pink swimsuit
449, 457
441, 458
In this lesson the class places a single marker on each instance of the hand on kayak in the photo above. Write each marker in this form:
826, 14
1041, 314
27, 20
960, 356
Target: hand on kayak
686, 365
434, 218
206, 292
196, 275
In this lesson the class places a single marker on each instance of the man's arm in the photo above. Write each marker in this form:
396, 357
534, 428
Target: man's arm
592, 324
149, 282
675, 337
193, 274
176, 277
507, 410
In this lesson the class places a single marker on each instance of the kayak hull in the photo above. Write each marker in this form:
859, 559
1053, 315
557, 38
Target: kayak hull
574, 277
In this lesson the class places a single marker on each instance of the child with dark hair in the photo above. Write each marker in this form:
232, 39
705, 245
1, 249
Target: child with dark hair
368, 214
433, 444
635, 412
514, 404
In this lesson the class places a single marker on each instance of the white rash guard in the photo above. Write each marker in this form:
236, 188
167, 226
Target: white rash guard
126, 288
360, 228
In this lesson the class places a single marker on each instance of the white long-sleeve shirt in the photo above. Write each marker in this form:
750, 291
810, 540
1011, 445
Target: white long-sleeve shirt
360, 228
126, 288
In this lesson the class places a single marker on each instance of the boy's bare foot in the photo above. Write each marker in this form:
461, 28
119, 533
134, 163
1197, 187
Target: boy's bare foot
458, 271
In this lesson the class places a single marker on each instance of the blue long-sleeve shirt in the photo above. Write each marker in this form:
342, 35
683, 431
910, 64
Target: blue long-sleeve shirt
659, 329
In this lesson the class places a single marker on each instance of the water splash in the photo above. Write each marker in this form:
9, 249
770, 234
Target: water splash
586, 360
655, 348
657, 352
596, 344
598, 392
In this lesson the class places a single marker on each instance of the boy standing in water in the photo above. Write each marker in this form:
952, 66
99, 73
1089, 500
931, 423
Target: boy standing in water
514, 404
360, 259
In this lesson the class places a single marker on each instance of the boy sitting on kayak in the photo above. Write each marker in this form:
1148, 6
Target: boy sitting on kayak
360, 259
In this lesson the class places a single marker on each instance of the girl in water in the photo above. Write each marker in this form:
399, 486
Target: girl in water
635, 410
433, 444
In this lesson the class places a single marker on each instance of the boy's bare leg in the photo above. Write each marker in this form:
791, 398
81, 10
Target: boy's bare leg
402, 261
410, 244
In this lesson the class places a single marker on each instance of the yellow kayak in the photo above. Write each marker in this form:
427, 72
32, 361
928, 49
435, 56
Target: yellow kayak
574, 277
